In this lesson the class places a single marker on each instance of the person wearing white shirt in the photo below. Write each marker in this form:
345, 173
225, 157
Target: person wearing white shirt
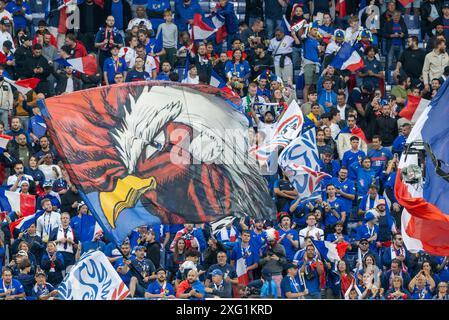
310, 231
50, 170
140, 19
335, 119
48, 221
15, 179
281, 49
192, 76
352, 33
129, 53
4, 33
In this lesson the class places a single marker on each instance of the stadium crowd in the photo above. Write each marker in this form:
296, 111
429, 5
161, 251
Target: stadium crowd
360, 138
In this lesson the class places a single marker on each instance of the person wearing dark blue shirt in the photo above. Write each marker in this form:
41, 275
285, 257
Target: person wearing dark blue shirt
291, 285
138, 73
288, 237
399, 142
227, 13
113, 65
372, 72
379, 155
10, 289
21, 12
366, 176
160, 289
369, 200
345, 190
258, 236
352, 155
164, 75
121, 265
369, 230
312, 268
329, 166
249, 252
184, 12
333, 208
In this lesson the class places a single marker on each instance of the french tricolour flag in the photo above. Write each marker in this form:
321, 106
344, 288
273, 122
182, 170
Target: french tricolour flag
425, 218
216, 81
4, 139
87, 64
24, 223
331, 251
240, 266
201, 30
24, 85
414, 107
17, 202
347, 58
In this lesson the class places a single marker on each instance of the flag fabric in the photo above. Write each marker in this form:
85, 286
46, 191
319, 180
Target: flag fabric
143, 167
240, 265
425, 219
216, 81
287, 129
24, 85
288, 28
405, 2
202, 28
300, 162
331, 251
347, 58
23, 204
86, 65
340, 6
4, 140
24, 223
414, 107
93, 278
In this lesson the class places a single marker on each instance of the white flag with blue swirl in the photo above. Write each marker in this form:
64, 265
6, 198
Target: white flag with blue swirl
300, 162
93, 278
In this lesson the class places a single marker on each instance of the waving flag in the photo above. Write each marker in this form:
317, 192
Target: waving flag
299, 160
287, 129
93, 278
414, 108
204, 26
23, 204
161, 153
87, 64
296, 27
340, 6
24, 223
331, 251
216, 81
4, 140
24, 85
347, 58
425, 219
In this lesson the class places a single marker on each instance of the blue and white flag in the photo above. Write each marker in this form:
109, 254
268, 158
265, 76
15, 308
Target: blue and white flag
300, 162
216, 81
93, 278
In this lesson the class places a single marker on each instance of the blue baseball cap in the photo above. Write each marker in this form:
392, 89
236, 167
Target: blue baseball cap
339, 33
217, 272
139, 248
369, 216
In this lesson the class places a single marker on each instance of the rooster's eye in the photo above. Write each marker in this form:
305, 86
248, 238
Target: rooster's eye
157, 145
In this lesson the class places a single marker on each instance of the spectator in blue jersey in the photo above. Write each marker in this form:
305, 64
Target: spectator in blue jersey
106, 39
53, 264
160, 288
421, 287
21, 12
184, 12
112, 65
368, 230
366, 176
164, 74
353, 155
399, 142
249, 252
329, 165
83, 223
10, 289
395, 31
345, 190
326, 96
258, 235
138, 73
372, 72
333, 208
379, 155
442, 268
285, 193
227, 13
191, 288
43, 290
288, 237
369, 200
312, 268
237, 67
143, 272
292, 286
312, 51
121, 264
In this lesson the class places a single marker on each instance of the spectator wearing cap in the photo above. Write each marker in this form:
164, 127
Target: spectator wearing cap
336, 42
160, 288
292, 287
218, 288
22, 54
369, 230
37, 66
143, 272
43, 290
4, 33
113, 65
16, 261
21, 12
